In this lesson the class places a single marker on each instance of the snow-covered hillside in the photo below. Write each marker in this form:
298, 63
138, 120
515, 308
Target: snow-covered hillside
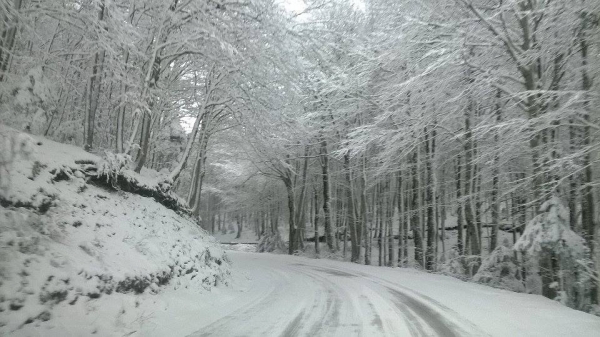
81, 256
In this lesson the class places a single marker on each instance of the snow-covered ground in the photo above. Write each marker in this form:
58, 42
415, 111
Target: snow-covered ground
280, 295
78, 258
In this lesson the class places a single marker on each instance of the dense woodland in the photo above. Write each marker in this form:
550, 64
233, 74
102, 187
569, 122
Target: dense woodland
456, 136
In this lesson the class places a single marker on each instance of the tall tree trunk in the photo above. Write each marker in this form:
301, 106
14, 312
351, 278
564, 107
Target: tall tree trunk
459, 207
587, 201
144, 142
316, 222
292, 214
300, 208
495, 204
429, 202
352, 225
194, 198
414, 222
95, 85
401, 221
366, 233
380, 223
147, 119
240, 225
326, 199
472, 233
121, 111
442, 203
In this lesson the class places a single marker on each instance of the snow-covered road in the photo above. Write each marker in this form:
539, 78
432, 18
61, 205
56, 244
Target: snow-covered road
291, 296
304, 298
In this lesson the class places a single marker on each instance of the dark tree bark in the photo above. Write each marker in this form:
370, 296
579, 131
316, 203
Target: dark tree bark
414, 222
587, 201
316, 223
429, 202
459, 208
95, 85
472, 232
326, 198
352, 223
292, 214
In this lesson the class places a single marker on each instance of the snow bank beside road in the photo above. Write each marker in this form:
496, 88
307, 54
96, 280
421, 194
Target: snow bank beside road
78, 258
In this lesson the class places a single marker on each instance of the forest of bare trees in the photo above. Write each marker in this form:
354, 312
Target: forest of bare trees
454, 136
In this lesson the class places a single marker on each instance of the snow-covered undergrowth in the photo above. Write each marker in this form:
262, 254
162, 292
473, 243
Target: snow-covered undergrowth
501, 270
74, 248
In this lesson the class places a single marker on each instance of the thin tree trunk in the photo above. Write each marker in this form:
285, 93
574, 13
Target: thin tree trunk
380, 223
442, 203
316, 223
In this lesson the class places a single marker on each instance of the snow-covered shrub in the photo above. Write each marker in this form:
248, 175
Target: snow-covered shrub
271, 242
69, 132
453, 265
12, 147
112, 165
501, 269
29, 105
550, 233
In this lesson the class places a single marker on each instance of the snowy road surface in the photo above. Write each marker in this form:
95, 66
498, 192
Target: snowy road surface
300, 298
277, 295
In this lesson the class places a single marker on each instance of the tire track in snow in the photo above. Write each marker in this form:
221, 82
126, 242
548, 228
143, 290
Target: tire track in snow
306, 299
294, 326
327, 320
428, 306
434, 319
416, 310
365, 308
245, 314
414, 313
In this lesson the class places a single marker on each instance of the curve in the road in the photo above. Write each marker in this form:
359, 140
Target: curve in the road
302, 299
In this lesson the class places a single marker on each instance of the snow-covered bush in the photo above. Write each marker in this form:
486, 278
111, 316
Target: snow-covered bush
12, 147
549, 234
501, 269
112, 165
29, 105
453, 265
271, 242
